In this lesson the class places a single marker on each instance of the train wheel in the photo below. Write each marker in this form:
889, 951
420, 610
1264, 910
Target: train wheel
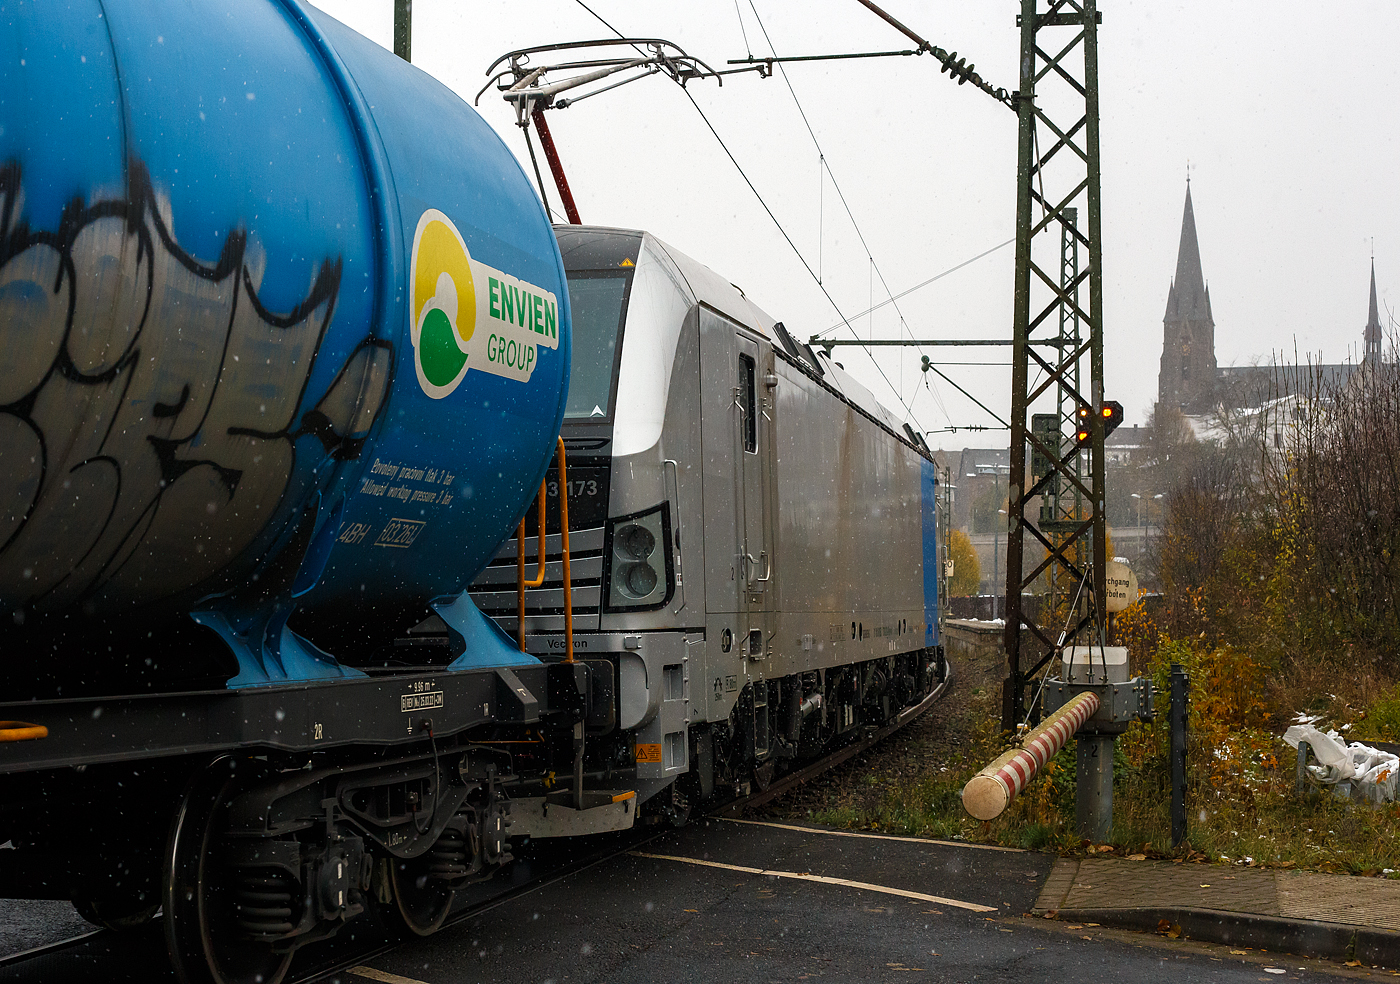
201, 930
675, 802
422, 901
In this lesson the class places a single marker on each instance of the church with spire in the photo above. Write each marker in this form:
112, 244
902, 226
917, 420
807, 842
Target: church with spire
1188, 373
1371, 353
1189, 377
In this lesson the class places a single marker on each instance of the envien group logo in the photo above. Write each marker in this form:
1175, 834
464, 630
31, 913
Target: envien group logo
467, 315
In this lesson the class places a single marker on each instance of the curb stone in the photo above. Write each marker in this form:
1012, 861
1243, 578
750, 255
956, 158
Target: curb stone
1263, 911
1330, 941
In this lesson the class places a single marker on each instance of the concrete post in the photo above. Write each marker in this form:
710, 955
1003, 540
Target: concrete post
1093, 805
1180, 698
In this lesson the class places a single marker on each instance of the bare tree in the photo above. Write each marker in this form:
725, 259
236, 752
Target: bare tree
1340, 477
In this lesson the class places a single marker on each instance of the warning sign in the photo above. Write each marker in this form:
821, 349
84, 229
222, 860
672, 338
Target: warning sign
650, 754
1120, 586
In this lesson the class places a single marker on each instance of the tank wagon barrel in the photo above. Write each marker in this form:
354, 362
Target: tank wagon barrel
286, 336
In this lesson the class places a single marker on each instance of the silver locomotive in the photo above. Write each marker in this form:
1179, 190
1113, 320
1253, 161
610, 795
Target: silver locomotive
755, 541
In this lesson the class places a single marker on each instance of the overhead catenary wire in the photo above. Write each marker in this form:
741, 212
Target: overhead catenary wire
599, 18
782, 231
925, 283
745, 33
820, 286
792, 245
836, 185
989, 411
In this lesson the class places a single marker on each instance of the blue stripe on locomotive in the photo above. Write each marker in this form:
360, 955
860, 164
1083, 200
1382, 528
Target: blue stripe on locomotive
928, 487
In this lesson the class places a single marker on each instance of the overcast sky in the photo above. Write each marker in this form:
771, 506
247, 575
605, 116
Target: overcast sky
1286, 112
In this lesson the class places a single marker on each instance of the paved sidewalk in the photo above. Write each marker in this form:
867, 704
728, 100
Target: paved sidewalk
1338, 917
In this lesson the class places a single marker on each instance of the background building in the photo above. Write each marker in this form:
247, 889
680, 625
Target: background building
1189, 378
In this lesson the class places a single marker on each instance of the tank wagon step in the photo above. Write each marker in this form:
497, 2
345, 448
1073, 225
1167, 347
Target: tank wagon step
557, 815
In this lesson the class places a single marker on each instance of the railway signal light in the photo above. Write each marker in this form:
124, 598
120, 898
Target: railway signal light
1045, 427
1081, 432
1112, 413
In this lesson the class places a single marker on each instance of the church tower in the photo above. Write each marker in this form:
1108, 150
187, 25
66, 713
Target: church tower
1371, 350
1188, 371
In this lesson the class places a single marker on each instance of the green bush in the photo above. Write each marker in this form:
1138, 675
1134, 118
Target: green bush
1382, 720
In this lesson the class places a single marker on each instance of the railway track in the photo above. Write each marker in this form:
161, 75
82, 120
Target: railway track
105, 957
35, 953
794, 779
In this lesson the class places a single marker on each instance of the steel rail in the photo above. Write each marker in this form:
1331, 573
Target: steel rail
43, 950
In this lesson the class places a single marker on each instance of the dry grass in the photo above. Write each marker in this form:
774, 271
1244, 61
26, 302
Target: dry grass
1340, 689
1242, 808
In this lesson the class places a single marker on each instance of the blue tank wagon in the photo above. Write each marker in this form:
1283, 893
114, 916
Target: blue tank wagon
286, 343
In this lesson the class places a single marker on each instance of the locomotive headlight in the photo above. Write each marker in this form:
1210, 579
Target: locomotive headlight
639, 564
635, 541
638, 580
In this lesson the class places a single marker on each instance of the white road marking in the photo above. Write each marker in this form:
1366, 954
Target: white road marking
883, 837
381, 975
825, 880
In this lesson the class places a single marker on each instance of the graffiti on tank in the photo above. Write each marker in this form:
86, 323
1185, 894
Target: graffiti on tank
151, 407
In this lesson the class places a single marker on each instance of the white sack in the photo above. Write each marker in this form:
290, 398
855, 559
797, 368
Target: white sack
1372, 775
1329, 749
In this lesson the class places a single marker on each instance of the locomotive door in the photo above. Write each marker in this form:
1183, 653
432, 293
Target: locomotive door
736, 432
754, 420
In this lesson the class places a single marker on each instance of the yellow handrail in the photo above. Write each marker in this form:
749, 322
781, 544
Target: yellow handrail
538, 579
521, 584
21, 731
564, 536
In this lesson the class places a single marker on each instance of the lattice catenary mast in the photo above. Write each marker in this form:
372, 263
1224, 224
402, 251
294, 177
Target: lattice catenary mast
1053, 510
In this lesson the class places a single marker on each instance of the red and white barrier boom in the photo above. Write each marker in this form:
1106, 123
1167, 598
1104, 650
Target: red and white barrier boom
990, 792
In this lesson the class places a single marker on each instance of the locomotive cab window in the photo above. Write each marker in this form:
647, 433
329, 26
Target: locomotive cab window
747, 402
598, 302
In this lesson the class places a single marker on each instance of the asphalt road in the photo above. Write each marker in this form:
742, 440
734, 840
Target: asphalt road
656, 919
730, 901
26, 923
